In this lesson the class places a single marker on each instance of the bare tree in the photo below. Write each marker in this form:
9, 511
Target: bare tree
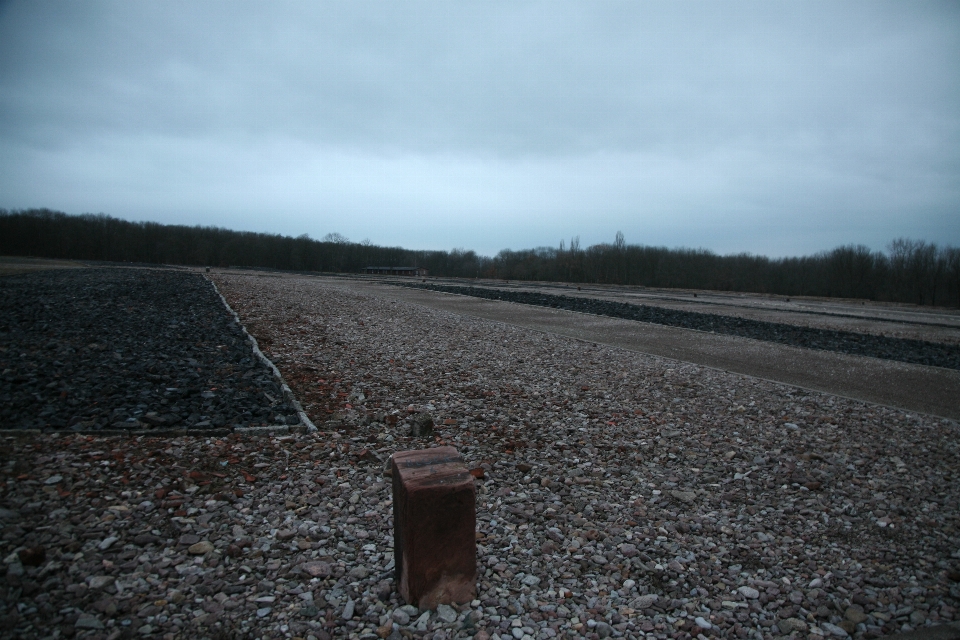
335, 238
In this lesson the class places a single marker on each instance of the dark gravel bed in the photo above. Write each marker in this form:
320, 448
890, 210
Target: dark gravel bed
900, 349
123, 348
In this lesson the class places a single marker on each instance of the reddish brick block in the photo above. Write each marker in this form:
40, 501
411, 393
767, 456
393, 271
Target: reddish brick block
434, 525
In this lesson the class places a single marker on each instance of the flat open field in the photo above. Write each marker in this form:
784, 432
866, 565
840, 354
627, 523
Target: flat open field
15, 264
625, 493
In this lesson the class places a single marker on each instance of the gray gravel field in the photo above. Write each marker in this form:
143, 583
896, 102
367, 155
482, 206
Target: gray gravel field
864, 344
621, 495
127, 349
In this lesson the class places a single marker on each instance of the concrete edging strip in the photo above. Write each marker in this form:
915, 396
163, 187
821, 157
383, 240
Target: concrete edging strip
305, 425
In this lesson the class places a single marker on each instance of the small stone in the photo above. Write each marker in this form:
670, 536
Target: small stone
286, 534
317, 569
106, 606
855, 614
87, 621
359, 572
523, 467
144, 539
384, 630
188, 539
54, 480
686, 497
348, 609
32, 557
628, 550
145, 630
749, 592
400, 617
603, 630
200, 548
790, 625
629, 584
151, 418
833, 629
264, 612
422, 426
99, 582
421, 622
702, 622
446, 613
847, 626
791, 426
6, 514
107, 543
645, 602
531, 581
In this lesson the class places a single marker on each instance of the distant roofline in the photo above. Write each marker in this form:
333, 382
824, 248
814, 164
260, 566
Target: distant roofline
395, 268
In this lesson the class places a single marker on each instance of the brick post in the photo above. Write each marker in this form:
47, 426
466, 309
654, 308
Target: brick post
434, 525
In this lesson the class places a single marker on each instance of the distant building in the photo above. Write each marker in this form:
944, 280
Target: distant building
396, 271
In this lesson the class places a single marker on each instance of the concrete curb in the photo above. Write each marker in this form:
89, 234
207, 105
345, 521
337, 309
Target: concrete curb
305, 423
269, 430
950, 631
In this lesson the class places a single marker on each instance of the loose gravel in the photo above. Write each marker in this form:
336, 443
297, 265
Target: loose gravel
863, 344
621, 495
130, 349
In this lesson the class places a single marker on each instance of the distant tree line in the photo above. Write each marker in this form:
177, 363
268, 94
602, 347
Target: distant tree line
51, 234
912, 271
908, 271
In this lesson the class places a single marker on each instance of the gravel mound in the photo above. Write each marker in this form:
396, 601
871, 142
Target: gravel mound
123, 348
862, 344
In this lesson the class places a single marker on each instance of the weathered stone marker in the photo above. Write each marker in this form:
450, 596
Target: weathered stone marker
434, 524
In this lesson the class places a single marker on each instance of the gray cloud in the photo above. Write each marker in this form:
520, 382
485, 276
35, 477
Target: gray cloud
773, 128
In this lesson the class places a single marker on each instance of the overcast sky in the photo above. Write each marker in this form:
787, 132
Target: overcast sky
778, 128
